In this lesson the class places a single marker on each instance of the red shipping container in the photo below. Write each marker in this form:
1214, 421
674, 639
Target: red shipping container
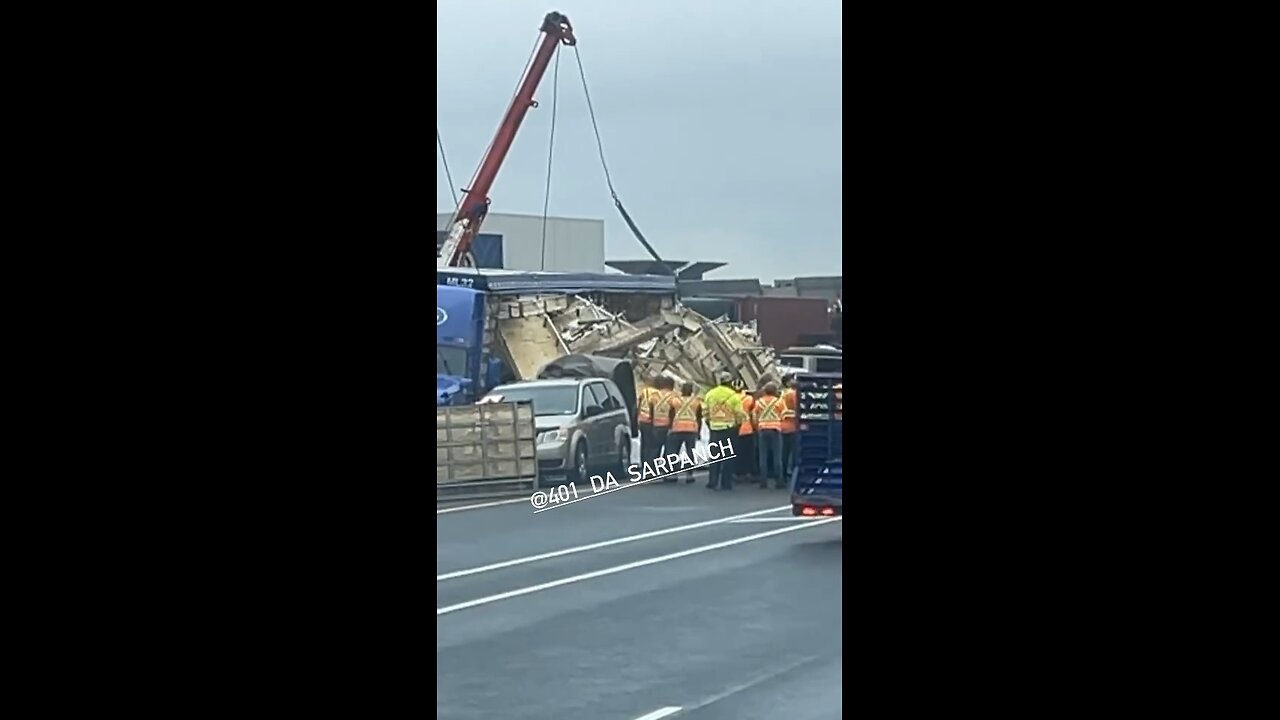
782, 320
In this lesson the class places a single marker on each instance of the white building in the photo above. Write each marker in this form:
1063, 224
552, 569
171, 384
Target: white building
515, 242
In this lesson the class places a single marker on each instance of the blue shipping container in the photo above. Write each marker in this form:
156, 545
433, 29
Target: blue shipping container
487, 247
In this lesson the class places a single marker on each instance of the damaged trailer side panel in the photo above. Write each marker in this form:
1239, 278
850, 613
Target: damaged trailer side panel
536, 331
536, 318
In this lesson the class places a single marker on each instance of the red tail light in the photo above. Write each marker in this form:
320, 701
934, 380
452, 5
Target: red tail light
808, 511
828, 511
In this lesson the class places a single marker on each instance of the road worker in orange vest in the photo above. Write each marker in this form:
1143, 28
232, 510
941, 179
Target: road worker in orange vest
768, 416
745, 463
686, 425
788, 426
644, 415
660, 411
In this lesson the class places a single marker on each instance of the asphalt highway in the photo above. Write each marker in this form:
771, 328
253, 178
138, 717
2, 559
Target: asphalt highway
653, 601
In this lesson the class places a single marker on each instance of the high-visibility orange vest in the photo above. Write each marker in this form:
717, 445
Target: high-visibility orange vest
686, 414
768, 413
643, 415
789, 410
662, 408
748, 402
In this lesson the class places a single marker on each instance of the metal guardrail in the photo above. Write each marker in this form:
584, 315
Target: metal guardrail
485, 451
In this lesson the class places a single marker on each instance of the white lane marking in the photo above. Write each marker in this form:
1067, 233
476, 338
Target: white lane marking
482, 505
629, 566
660, 713
809, 518
766, 675
604, 543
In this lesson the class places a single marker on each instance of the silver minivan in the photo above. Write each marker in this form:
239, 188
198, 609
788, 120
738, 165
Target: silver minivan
583, 425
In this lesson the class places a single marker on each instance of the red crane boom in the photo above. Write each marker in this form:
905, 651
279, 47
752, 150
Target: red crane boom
475, 200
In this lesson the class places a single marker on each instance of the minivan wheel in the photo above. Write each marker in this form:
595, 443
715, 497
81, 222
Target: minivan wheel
580, 462
624, 457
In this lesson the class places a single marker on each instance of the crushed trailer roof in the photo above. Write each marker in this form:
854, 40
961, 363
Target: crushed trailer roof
536, 281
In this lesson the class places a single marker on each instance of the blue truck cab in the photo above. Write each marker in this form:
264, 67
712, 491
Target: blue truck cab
461, 372
817, 484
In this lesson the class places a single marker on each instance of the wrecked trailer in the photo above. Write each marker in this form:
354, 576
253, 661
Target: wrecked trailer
523, 321
532, 319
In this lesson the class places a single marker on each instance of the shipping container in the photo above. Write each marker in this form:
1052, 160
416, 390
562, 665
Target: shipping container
712, 308
782, 321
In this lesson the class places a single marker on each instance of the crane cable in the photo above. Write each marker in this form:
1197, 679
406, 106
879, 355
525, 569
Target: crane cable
551, 146
609, 180
447, 175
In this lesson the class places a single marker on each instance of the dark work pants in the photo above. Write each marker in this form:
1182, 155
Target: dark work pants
788, 454
646, 443
745, 455
659, 442
770, 443
721, 476
686, 440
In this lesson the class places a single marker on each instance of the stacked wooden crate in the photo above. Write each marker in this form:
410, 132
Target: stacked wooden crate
486, 448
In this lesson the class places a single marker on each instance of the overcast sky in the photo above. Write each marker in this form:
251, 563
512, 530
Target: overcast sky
720, 120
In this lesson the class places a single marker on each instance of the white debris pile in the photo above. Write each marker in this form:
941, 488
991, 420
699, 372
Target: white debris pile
673, 341
700, 354
744, 334
535, 330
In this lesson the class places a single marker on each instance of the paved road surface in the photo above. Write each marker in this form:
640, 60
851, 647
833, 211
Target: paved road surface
731, 627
